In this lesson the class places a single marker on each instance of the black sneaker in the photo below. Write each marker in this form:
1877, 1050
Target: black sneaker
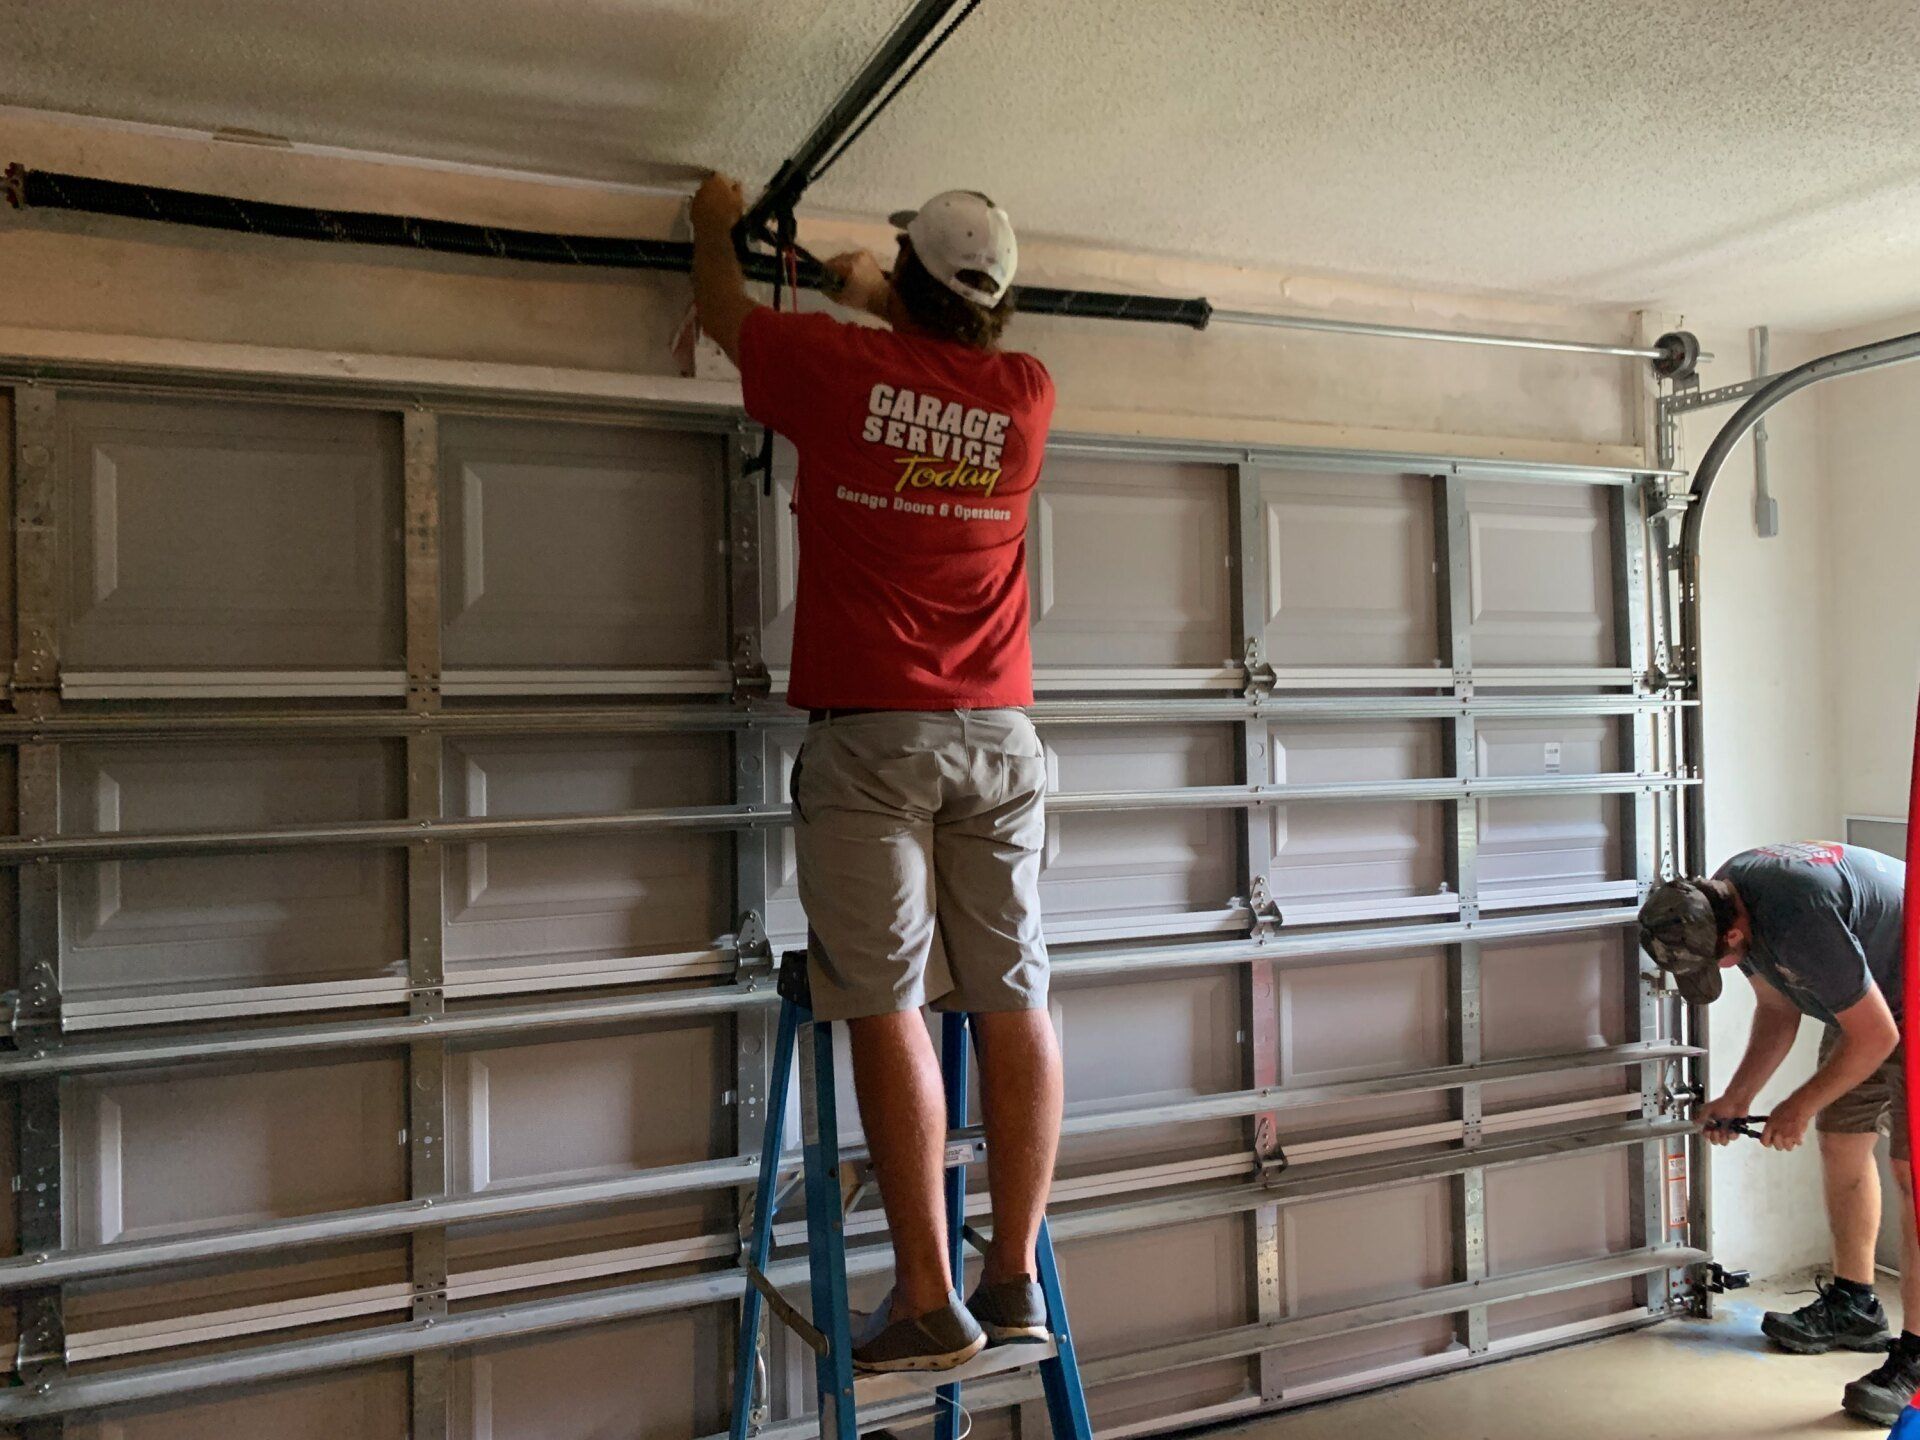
1011, 1311
938, 1340
1881, 1396
1834, 1321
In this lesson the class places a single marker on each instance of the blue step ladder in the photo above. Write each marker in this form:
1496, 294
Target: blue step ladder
827, 1333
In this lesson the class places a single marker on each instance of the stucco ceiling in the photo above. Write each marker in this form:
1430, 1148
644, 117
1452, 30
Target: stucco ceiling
1743, 160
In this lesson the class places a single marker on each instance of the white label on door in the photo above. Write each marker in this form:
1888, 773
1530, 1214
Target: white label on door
1553, 756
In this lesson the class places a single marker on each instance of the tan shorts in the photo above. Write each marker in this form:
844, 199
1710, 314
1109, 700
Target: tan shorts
1877, 1104
919, 835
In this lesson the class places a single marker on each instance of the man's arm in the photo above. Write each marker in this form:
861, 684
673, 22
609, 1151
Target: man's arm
1776, 1022
719, 287
1868, 1035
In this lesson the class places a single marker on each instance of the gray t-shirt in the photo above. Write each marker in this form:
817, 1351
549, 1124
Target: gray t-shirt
1826, 922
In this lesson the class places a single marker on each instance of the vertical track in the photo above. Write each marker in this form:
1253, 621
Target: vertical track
427, 1175
754, 758
41, 1359
1260, 1001
1454, 563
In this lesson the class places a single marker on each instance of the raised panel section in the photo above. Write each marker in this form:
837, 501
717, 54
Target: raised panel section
1542, 574
165, 926
167, 1154
779, 558
1550, 1212
581, 545
362, 1404
1375, 1016
657, 1378
1147, 1040
1549, 844
1517, 1319
1350, 569
1128, 565
1336, 859
1377, 1356
1117, 870
206, 535
575, 1109
1356, 1249
1198, 1281
1553, 995
577, 900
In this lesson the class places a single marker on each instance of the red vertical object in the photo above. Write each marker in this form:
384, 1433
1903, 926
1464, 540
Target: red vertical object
1909, 1421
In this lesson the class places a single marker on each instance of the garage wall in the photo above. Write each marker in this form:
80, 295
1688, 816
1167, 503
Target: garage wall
577, 552
1773, 672
1870, 456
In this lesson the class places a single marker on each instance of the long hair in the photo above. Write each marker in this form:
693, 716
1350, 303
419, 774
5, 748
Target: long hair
943, 312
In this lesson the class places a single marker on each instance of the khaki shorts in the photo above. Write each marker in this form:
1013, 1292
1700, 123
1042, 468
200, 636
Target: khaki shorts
1876, 1104
919, 835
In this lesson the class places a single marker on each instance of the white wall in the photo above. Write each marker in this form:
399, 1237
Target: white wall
1871, 433
1769, 681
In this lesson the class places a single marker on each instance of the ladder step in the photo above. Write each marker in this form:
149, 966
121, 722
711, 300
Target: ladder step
994, 1360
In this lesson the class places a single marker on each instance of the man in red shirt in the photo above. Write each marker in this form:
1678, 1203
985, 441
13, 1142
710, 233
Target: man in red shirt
917, 795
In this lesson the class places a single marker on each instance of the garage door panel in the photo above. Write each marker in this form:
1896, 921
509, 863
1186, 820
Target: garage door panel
147, 1314
1377, 1016
1553, 995
581, 545
1343, 1128
1550, 845
1198, 1276
1577, 1207
1517, 1319
1356, 1249
205, 534
1144, 863
1541, 574
1338, 858
643, 1240
171, 1154
586, 1384
585, 897
1150, 1040
1350, 569
632, 1101
780, 565
263, 918
363, 1404
1127, 564
1340, 1361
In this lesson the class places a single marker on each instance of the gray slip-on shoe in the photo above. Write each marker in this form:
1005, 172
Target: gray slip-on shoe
938, 1340
1011, 1311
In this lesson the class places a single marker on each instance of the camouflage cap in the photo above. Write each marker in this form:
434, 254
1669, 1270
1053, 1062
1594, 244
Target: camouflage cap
1678, 929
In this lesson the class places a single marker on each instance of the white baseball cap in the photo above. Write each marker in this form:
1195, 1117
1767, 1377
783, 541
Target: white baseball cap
962, 231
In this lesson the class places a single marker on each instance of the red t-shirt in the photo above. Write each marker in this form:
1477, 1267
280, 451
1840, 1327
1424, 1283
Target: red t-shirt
917, 460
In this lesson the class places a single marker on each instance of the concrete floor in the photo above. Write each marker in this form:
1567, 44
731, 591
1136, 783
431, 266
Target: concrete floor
1701, 1380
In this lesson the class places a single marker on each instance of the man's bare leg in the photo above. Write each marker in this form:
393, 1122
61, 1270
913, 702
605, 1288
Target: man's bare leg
1020, 1098
1852, 1184
904, 1111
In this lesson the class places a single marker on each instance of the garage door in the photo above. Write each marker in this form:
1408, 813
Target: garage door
400, 854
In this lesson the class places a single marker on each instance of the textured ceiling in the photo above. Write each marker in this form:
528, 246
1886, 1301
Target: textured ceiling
1744, 160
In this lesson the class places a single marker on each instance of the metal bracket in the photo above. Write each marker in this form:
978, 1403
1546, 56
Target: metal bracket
41, 1352
1270, 1166
1717, 1279
1261, 676
751, 945
1266, 912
